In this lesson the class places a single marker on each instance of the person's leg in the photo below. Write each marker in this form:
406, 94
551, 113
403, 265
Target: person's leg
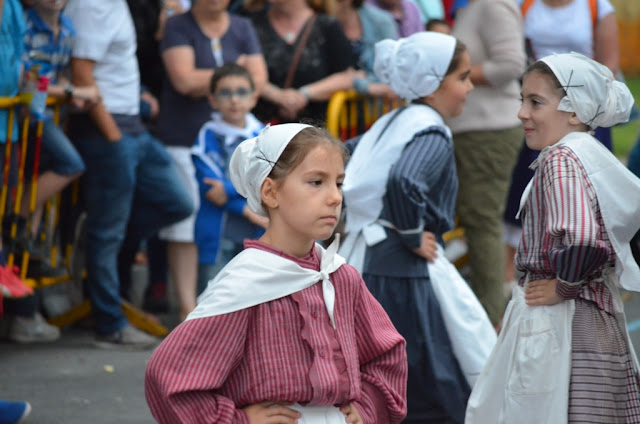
163, 198
155, 297
183, 268
60, 164
485, 161
108, 186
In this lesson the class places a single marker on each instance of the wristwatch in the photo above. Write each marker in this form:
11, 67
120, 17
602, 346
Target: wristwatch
68, 91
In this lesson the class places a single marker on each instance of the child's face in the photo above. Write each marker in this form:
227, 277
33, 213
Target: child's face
309, 200
544, 125
450, 97
233, 98
49, 5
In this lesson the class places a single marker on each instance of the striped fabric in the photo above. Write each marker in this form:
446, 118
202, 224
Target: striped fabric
604, 387
563, 232
564, 236
285, 350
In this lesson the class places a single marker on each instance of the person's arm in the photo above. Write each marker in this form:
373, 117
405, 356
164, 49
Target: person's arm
187, 369
506, 57
257, 67
418, 172
180, 63
340, 62
571, 221
82, 71
606, 50
383, 363
323, 89
1, 9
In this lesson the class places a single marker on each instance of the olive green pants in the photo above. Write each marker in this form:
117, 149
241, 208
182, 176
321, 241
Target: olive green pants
485, 161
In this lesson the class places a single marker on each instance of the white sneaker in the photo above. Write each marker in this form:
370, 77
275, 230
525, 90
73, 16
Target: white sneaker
32, 330
128, 337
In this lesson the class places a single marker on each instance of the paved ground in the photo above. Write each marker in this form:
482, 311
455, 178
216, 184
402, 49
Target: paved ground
70, 382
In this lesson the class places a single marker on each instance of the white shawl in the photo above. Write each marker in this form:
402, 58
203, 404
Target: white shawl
256, 276
368, 171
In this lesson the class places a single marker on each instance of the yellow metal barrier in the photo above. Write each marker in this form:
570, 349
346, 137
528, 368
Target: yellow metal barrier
135, 316
350, 114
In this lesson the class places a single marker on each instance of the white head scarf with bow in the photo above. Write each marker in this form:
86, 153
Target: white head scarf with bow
253, 160
414, 66
255, 276
593, 93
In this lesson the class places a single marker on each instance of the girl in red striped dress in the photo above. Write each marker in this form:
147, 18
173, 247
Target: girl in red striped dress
287, 332
564, 354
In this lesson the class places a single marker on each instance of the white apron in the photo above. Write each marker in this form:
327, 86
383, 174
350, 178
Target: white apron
495, 399
470, 330
367, 173
526, 379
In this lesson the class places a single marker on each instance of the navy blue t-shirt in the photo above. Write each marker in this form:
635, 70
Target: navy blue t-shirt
181, 116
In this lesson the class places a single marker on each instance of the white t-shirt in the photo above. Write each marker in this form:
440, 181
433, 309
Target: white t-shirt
105, 34
562, 29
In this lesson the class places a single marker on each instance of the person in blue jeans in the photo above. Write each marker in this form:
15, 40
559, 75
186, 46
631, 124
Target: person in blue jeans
131, 186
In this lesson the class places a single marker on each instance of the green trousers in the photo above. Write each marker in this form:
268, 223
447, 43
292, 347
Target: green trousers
485, 161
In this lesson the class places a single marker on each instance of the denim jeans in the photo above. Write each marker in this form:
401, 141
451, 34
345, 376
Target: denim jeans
57, 154
129, 186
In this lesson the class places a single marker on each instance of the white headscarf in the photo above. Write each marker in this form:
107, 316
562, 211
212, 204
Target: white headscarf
414, 66
597, 99
253, 160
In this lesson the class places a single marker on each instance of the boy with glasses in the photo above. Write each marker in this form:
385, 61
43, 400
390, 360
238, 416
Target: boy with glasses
223, 220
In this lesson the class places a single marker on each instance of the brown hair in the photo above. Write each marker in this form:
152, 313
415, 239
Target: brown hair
543, 69
457, 55
298, 148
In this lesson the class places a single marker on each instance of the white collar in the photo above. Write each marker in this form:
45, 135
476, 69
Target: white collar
256, 276
232, 133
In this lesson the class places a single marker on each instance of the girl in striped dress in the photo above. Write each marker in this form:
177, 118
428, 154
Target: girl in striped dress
287, 332
564, 354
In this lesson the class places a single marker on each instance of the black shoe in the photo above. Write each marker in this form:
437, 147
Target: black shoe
42, 269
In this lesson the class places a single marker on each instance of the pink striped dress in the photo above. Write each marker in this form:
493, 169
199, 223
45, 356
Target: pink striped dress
564, 237
285, 350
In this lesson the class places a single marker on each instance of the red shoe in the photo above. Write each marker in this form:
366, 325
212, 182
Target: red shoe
11, 286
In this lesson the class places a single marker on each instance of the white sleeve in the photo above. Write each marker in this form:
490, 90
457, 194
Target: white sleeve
604, 8
94, 23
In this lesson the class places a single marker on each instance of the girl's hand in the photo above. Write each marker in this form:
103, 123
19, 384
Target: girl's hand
271, 413
428, 248
353, 416
542, 292
216, 194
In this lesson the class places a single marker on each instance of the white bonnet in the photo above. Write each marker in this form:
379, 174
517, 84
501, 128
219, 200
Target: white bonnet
414, 66
253, 160
597, 99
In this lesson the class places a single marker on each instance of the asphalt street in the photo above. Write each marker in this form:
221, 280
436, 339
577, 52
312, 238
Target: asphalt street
71, 382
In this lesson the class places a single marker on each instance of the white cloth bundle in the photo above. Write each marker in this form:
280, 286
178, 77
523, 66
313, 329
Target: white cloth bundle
471, 333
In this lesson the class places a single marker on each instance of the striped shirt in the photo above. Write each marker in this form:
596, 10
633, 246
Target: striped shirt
421, 196
284, 350
563, 230
43, 49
